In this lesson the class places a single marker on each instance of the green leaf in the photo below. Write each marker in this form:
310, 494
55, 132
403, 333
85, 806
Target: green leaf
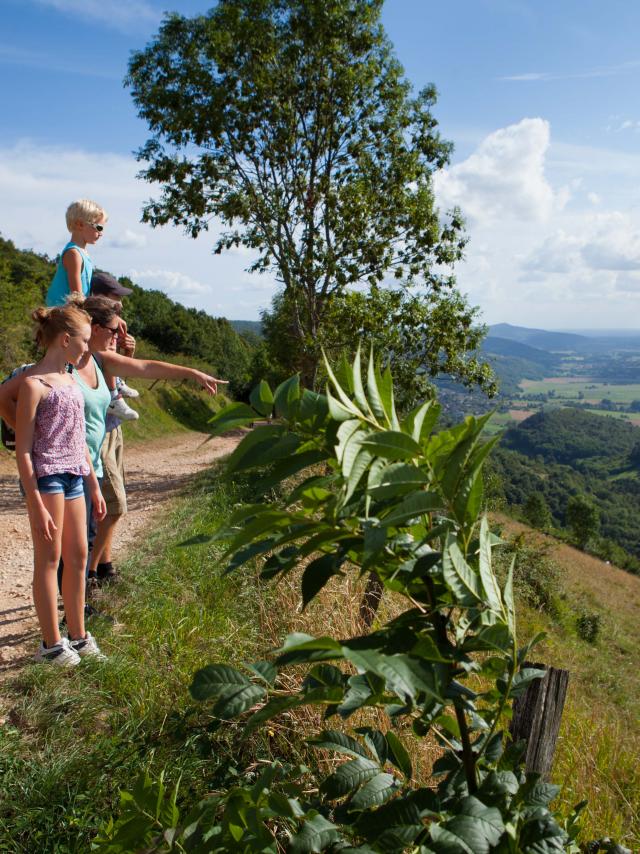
385, 387
286, 397
416, 504
211, 680
337, 410
264, 670
476, 829
523, 679
507, 595
316, 575
317, 834
407, 677
421, 420
333, 739
261, 398
342, 396
231, 417
463, 581
358, 388
487, 575
392, 444
398, 754
397, 479
349, 776
375, 400
375, 792
233, 703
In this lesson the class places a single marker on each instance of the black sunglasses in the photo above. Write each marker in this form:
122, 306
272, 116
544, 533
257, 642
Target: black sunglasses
98, 228
111, 329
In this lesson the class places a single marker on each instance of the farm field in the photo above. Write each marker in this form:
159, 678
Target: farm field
579, 388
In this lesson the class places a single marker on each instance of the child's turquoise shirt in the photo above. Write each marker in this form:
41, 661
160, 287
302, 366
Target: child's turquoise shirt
59, 288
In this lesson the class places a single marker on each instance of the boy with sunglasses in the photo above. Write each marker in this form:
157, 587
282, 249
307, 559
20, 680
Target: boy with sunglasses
86, 221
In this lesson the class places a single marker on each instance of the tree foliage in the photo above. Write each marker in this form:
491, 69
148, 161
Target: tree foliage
292, 124
423, 335
396, 500
583, 519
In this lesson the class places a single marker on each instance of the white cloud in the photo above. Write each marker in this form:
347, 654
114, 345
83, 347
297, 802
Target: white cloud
38, 183
589, 73
504, 177
128, 239
120, 14
173, 283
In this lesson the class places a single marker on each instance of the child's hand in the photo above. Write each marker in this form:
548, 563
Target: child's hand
127, 345
98, 505
209, 383
44, 524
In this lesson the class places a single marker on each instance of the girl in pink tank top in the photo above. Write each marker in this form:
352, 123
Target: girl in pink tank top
53, 459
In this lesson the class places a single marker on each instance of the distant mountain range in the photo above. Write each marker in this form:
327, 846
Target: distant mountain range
561, 342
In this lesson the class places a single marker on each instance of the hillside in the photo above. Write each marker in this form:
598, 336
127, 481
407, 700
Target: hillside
541, 338
558, 586
564, 452
168, 326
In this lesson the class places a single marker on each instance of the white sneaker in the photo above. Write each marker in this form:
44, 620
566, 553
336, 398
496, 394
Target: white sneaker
126, 390
120, 409
61, 653
87, 648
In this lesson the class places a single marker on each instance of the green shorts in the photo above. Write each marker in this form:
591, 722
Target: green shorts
112, 454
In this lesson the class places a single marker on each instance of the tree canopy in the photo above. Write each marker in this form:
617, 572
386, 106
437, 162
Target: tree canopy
292, 124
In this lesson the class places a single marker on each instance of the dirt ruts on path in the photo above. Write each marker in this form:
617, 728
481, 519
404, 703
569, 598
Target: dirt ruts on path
156, 472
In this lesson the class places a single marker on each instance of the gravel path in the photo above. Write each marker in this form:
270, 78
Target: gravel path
156, 472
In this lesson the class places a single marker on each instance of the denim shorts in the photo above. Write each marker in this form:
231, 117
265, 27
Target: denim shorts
70, 485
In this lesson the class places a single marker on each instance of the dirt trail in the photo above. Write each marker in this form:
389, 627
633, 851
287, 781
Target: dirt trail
156, 472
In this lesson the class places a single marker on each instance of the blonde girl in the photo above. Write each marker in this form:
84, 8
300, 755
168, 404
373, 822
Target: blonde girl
53, 459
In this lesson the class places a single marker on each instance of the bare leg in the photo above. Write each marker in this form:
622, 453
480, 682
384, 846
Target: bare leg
46, 556
74, 554
101, 552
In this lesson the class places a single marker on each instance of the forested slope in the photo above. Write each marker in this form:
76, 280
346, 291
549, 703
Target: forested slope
171, 328
565, 452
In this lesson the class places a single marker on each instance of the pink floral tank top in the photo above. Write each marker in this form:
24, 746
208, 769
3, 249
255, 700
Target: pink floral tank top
59, 436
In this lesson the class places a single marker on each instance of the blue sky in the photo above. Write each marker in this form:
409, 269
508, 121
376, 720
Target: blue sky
539, 97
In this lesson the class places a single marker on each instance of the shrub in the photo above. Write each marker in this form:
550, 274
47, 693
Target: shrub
402, 505
588, 626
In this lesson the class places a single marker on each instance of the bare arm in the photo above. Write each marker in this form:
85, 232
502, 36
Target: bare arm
31, 392
99, 507
72, 263
9, 398
147, 369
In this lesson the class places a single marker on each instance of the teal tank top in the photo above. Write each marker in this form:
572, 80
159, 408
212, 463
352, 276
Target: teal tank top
96, 401
59, 287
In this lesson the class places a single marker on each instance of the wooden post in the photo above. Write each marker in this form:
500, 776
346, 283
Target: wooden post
370, 601
536, 717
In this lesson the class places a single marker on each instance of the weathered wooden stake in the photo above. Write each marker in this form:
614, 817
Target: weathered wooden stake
370, 601
536, 717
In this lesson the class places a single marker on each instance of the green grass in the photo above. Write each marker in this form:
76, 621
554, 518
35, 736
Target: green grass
597, 753
72, 740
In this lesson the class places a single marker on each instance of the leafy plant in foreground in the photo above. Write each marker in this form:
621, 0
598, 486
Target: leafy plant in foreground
402, 503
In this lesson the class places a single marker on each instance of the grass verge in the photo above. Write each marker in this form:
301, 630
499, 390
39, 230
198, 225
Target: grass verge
72, 740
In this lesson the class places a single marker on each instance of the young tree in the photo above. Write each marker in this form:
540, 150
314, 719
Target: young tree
536, 511
421, 335
583, 519
290, 121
